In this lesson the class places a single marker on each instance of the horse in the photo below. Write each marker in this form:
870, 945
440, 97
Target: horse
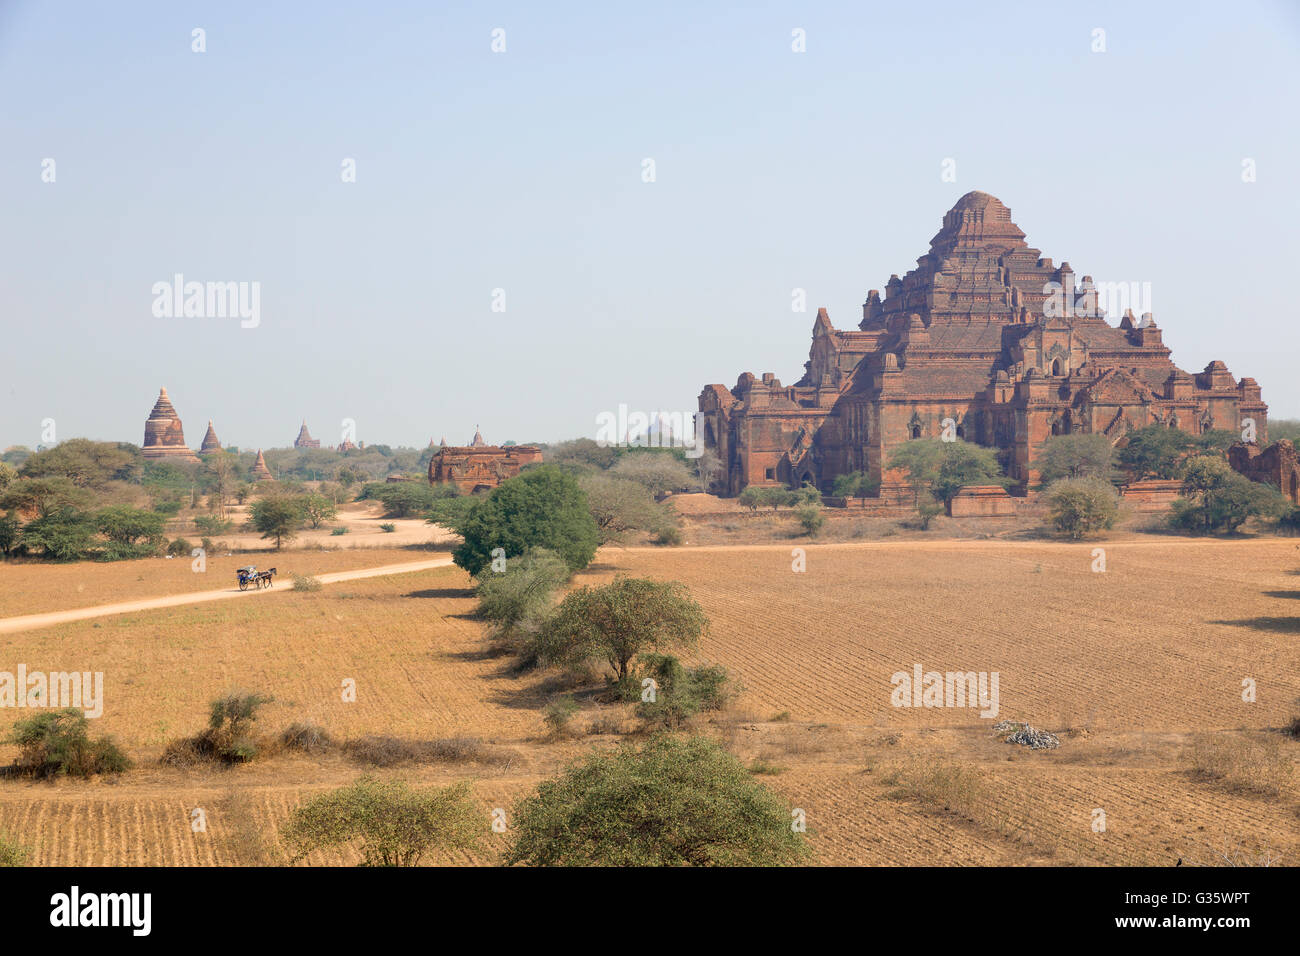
264, 578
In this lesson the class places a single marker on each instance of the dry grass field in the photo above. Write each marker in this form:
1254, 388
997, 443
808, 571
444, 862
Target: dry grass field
1138, 669
36, 586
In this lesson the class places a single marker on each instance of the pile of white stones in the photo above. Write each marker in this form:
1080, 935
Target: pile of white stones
1013, 732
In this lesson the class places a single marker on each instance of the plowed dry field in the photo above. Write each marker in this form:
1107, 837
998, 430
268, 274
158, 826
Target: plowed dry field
1128, 666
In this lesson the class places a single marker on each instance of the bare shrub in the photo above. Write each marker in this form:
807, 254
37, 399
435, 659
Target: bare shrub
1246, 763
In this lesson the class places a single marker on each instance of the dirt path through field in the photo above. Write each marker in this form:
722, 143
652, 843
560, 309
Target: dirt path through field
30, 621
27, 622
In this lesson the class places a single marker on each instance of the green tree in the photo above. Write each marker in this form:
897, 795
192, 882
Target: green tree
391, 823
943, 468
65, 534
918, 459
7, 474
620, 506
44, 495
1216, 498
317, 509
518, 599
1216, 441
670, 802
86, 463
963, 463
57, 743
407, 499
279, 517
543, 508
811, 517
124, 525
855, 484
583, 451
616, 622
660, 472
1155, 452
751, 497
1081, 506
1078, 455
679, 692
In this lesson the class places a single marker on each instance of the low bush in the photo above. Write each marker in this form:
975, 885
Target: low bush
306, 738
229, 736
58, 743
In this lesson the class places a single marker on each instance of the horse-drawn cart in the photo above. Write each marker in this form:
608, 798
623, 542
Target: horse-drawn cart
251, 576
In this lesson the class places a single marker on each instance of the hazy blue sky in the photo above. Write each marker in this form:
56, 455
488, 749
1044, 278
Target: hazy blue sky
522, 171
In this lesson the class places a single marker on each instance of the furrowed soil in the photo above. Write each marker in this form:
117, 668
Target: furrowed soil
1135, 668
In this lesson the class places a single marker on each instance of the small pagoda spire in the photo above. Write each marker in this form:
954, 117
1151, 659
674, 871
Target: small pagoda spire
260, 471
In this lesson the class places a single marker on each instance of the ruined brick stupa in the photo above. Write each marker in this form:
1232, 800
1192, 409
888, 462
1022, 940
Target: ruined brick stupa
210, 443
163, 436
260, 471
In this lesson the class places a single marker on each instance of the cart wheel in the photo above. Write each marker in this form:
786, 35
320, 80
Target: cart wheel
243, 584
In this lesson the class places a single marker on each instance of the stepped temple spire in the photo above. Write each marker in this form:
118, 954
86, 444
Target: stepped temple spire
304, 439
260, 471
164, 438
210, 443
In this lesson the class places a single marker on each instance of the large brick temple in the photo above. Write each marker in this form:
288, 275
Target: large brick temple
983, 331
479, 466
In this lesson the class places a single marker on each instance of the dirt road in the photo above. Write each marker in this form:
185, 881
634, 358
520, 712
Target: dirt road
28, 622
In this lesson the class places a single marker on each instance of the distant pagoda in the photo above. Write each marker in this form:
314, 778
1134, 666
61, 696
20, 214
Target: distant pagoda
260, 471
164, 437
304, 439
210, 443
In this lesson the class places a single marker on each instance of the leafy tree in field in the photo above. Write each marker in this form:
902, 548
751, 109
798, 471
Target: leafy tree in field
518, 599
751, 497
1077, 455
963, 463
86, 463
680, 692
211, 524
1216, 498
452, 513
811, 517
659, 472
671, 802
7, 474
125, 525
1155, 452
408, 499
581, 450
942, 468
169, 476
919, 460
855, 484
317, 509
1081, 506
44, 495
278, 517
540, 508
776, 497
618, 621
65, 534
620, 506
391, 823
